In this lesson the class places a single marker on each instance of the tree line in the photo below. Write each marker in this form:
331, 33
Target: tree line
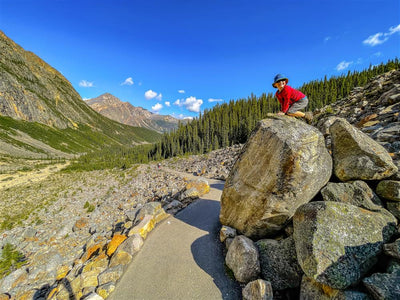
231, 123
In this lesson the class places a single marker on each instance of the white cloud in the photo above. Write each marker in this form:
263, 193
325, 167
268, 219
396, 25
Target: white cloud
85, 83
191, 104
167, 103
150, 94
375, 39
215, 100
393, 30
159, 97
156, 108
380, 38
128, 81
377, 54
181, 91
343, 65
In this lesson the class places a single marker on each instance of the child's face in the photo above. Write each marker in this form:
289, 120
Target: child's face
280, 84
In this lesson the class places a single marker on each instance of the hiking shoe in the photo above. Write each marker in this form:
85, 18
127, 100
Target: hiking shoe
308, 116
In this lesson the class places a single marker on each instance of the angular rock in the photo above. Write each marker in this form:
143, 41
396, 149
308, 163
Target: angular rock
394, 208
312, 290
338, 243
292, 165
258, 290
105, 290
144, 227
393, 249
389, 189
93, 296
114, 243
384, 286
226, 232
357, 156
242, 259
278, 261
201, 185
357, 193
112, 274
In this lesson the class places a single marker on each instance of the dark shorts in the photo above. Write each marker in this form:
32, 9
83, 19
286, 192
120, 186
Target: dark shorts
298, 105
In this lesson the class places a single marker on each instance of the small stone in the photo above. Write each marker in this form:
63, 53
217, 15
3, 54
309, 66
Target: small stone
258, 290
393, 249
113, 274
226, 232
105, 290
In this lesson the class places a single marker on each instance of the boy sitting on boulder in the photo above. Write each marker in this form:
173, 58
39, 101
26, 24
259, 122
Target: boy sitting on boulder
291, 100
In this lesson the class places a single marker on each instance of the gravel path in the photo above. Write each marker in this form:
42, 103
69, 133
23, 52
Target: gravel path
182, 258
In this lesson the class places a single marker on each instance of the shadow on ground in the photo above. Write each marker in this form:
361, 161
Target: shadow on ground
207, 250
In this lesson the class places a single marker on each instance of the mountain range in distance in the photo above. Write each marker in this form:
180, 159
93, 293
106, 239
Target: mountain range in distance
125, 113
43, 116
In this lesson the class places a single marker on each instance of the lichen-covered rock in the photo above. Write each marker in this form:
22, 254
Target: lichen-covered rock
114, 243
337, 243
279, 264
394, 208
384, 286
313, 290
283, 165
357, 156
393, 249
389, 189
201, 185
243, 259
258, 290
357, 193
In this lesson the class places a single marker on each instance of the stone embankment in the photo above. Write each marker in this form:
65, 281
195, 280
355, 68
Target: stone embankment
86, 238
317, 216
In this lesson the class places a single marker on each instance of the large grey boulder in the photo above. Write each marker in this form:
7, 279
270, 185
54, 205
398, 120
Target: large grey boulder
243, 259
338, 243
357, 156
283, 165
384, 286
357, 193
279, 264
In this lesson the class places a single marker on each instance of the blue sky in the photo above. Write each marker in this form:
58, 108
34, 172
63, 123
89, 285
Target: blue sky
180, 57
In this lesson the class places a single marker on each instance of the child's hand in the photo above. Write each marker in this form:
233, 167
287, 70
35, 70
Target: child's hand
281, 113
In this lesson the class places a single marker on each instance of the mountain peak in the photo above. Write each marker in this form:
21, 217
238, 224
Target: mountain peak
124, 112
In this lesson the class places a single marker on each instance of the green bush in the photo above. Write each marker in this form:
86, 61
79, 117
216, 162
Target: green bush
11, 260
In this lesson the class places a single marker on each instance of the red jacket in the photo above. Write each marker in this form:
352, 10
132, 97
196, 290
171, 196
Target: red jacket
288, 96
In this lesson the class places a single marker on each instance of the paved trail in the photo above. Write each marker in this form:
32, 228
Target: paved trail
182, 258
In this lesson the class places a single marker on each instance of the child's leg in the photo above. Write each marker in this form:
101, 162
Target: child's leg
299, 114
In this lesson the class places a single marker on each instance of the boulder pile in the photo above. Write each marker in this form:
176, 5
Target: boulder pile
313, 213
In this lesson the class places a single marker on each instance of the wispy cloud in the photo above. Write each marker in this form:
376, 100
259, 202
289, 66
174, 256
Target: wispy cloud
191, 104
167, 103
150, 94
181, 91
86, 84
326, 39
159, 97
128, 81
156, 108
381, 37
343, 65
215, 100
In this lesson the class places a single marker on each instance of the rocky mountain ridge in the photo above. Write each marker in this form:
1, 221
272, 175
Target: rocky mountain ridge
125, 113
39, 108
